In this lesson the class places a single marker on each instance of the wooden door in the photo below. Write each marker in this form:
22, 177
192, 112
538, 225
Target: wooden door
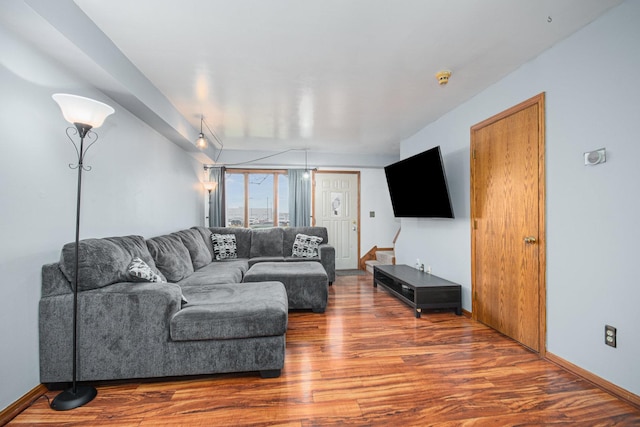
507, 210
337, 207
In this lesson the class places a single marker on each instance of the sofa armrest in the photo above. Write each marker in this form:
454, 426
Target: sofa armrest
53, 281
120, 327
327, 254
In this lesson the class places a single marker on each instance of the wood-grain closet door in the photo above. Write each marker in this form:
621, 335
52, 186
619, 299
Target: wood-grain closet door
507, 209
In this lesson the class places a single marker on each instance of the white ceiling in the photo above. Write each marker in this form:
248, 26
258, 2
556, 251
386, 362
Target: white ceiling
342, 76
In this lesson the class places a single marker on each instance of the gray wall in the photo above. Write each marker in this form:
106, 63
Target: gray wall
374, 196
140, 183
592, 91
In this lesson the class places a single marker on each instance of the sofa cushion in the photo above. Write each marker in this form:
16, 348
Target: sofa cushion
217, 273
231, 312
302, 259
259, 259
306, 246
195, 244
224, 246
206, 237
266, 242
171, 257
102, 262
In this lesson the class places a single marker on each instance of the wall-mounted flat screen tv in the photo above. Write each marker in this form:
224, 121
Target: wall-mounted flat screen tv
418, 186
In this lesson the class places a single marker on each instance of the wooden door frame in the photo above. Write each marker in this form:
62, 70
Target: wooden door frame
313, 199
538, 100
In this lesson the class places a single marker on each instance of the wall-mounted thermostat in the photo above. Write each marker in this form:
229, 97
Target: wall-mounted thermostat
595, 157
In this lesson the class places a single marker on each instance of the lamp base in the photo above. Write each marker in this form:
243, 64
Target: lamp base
69, 399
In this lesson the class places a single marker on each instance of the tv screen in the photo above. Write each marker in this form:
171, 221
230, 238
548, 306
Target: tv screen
418, 186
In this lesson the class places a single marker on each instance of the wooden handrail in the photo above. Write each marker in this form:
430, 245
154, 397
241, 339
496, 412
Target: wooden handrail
396, 236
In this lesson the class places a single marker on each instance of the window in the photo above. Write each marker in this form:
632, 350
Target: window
256, 198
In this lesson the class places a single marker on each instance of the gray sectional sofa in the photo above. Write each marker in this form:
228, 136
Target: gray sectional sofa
188, 314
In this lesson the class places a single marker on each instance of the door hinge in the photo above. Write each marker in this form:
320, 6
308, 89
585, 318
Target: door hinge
475, 224
474, 154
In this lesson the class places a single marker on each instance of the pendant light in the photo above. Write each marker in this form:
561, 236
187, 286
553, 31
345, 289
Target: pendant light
201, 142
305, 175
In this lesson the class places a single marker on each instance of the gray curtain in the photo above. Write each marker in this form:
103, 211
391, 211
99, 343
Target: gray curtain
216, 199
299, 199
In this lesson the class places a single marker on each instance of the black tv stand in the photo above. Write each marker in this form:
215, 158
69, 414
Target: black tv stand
418, 289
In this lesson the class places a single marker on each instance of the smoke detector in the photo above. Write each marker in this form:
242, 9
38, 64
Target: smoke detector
443, 76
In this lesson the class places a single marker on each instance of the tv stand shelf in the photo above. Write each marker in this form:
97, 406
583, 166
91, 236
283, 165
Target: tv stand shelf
418, 289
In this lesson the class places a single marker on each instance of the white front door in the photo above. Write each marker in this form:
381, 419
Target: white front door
336, 207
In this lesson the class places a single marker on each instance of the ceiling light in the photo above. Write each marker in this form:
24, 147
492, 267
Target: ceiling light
305, 175
201, 142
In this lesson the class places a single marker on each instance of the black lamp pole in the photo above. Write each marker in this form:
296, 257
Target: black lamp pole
76, 395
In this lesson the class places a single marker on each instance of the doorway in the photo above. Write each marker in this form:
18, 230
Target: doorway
507, 223
336, 206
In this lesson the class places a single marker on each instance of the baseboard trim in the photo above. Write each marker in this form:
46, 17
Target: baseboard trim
21, 404
605, 385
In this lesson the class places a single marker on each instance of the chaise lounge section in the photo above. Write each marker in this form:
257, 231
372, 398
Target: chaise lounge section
306, 282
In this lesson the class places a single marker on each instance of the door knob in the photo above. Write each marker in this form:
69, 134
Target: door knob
530, 240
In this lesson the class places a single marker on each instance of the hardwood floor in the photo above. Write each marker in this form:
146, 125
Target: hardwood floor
366, 362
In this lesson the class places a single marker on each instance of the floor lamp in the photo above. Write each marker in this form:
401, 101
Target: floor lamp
85, 114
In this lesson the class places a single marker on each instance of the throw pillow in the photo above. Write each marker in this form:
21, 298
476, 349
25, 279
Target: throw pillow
306, 246
224, 246
140, 271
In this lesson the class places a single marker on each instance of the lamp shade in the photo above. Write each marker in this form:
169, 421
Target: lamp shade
201, 142
78, 109
210, 185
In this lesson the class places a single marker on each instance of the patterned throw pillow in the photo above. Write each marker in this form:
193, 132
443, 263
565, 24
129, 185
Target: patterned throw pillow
140, 271
224, 246
306, 246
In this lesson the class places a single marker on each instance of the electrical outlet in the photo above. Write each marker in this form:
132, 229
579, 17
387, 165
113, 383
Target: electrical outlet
610, 335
